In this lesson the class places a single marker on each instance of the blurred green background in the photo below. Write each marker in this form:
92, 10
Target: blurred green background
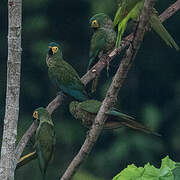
151, 91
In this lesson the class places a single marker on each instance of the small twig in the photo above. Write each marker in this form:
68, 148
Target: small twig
100, 65
112, 93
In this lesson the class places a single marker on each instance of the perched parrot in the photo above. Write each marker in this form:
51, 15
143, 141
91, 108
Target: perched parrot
131, 10
44, 138
86, 112
103, 39
63, 74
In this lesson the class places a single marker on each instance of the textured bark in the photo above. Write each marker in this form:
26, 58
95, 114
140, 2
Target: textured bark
112, 93
91, 75
170, 11
12, 90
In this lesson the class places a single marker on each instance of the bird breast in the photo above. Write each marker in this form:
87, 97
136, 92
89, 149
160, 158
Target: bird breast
50, 62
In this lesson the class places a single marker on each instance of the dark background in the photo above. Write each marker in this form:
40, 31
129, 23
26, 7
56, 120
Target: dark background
151, 91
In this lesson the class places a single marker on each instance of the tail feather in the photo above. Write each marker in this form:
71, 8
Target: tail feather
115, 112
128, 121
137, 126
162, 32
44, 176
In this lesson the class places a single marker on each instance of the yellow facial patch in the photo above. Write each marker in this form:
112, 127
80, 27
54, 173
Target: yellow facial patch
54, 49
94, 24
35, 114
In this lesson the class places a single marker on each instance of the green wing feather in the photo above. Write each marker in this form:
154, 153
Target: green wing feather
60, 74
97, 44
121, 28
45, 144
66, 78
91, 106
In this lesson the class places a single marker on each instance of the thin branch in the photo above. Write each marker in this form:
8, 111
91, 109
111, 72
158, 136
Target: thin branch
96, 69
22, 143
112, 93
170, 11
12, 90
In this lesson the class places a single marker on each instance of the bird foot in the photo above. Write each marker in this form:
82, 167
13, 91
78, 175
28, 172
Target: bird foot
106, 60
60, 93
87, 133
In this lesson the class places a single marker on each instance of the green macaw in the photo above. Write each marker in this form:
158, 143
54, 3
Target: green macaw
44, 138
103, 39
131, 10
63, 75
86, 112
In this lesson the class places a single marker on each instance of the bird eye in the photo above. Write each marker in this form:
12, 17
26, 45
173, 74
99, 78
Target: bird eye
54, 49
94, 24
35, 115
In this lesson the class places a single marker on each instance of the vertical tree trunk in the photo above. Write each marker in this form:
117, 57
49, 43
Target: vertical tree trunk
12, 90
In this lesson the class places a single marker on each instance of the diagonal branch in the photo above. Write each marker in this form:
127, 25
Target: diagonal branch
96, 69
112, 93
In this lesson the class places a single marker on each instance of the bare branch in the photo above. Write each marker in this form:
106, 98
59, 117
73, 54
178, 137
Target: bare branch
112, 93
55, 103
12, 90
170, 11
100, 65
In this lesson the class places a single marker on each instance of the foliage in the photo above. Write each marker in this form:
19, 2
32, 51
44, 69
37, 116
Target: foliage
169, 170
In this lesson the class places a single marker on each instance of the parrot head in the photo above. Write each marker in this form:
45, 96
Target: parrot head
54, 48
98, 21
72, 107
39, 113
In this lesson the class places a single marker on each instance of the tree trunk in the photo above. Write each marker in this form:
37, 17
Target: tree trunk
12, 90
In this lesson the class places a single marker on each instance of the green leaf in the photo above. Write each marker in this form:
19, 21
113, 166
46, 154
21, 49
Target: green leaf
168, 162
150, 172
129, 173
166, 174
176, 173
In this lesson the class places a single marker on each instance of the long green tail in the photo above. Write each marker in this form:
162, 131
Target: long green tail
128, 121
162, 32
